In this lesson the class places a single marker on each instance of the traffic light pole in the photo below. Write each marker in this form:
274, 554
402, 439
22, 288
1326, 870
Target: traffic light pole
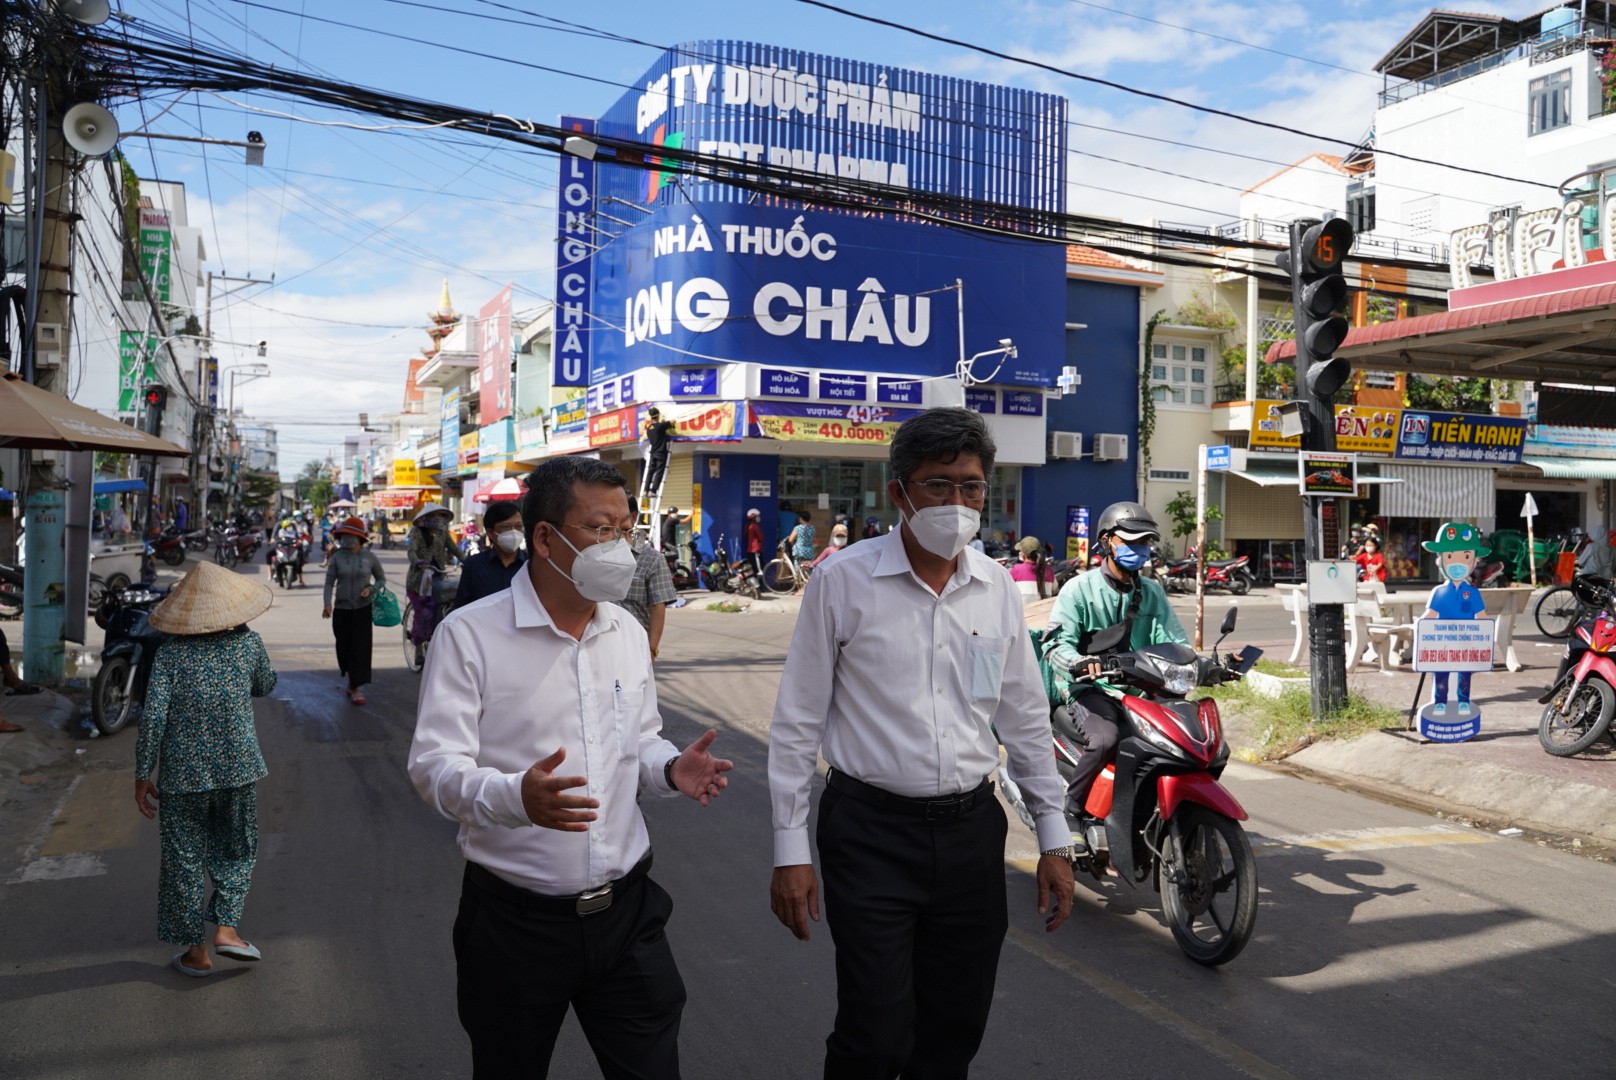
1318, 290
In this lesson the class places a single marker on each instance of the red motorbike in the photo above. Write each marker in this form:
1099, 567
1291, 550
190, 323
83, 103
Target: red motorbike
1234, 574
1582, 701
1159, 813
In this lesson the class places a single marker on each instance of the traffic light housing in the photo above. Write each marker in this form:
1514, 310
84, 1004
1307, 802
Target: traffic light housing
156, 397
1318, 291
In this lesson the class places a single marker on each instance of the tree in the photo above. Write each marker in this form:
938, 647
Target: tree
259, 489
1182, 511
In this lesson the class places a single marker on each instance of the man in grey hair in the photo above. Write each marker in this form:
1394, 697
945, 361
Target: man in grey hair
909, 651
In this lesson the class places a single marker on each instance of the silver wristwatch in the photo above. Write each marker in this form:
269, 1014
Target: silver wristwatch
1062, 852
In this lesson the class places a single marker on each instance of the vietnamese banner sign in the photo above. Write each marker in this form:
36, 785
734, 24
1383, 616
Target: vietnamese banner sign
1461, 438
846, 424
137, 368
156, 248
405, 473
609, 429
1359, 429
494, 359
449, 432
707, 422
1327, 474
1077, 535
575, 243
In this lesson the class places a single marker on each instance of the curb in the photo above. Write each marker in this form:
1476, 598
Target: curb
1400, 768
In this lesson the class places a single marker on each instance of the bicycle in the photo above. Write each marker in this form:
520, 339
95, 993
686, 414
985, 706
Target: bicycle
785, 574
1562, 608
423, 613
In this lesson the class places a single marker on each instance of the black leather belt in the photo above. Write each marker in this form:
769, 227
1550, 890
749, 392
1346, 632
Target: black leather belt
932, 808
580, 904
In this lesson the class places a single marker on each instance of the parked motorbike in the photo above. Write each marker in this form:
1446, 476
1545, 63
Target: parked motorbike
1582, 701
683, 576
1159, 813
731, 575
10, 591
126, 657
197, 540
169, 547
1489, 574
1178, 575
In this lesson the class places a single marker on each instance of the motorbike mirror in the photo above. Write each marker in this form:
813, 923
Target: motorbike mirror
1229, 620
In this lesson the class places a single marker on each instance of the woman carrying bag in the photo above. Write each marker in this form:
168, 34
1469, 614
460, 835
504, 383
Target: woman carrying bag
351, 577
198, 726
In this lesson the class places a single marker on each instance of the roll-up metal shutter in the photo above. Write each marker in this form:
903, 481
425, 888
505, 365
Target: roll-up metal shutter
676, 485
1436, 491
1251, 512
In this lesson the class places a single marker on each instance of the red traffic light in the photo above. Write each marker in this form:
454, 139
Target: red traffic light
156, 397
1326, 244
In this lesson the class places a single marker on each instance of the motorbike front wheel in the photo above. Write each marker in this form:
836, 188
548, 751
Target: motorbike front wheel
1584, 720
174, 554
1209, 886
110, 702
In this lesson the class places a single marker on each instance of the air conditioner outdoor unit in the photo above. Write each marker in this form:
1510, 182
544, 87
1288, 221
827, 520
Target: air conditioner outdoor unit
1065, 444
1110, 448
48, 345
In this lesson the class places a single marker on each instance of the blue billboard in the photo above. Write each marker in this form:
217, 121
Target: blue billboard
805, 289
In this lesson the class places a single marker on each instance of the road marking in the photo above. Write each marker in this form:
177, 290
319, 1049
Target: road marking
60, 868
1380, 839
1236, 1057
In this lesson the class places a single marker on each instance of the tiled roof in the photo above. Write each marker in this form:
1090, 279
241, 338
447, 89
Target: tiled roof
1082, 255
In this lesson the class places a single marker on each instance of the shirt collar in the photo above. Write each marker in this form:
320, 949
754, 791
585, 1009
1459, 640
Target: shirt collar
531, 612
894, 559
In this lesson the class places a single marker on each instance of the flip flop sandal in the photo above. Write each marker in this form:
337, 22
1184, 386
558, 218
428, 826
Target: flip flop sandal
178, 964
245, 951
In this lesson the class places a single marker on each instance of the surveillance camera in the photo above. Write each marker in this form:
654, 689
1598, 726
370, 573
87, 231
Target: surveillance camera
1006, 342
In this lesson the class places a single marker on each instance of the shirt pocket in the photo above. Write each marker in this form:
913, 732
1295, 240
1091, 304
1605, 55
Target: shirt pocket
987, 666
627, 705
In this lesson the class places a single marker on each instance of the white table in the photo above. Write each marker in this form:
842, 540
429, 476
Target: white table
1504, 605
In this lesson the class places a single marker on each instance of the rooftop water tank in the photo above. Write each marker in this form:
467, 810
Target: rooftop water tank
1561, 22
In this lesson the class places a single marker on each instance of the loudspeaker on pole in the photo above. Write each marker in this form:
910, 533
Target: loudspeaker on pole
88, 12
90, 129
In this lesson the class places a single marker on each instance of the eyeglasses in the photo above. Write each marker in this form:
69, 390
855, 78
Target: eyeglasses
604, 534
972, 491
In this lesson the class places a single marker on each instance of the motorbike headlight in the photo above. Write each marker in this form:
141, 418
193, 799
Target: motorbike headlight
1178, 678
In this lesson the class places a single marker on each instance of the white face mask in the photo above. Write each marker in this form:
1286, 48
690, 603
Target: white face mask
945, 531
601, 572
509, 541
839, 541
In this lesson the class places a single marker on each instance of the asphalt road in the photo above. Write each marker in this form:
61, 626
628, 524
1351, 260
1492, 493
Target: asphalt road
1388, 943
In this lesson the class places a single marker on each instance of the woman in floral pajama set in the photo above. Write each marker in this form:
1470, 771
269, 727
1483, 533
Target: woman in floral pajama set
198, 722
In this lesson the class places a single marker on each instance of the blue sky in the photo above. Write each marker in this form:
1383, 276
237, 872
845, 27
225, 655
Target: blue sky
360, 227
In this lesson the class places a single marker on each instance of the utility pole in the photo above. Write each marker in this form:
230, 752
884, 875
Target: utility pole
231, 440
1314, 262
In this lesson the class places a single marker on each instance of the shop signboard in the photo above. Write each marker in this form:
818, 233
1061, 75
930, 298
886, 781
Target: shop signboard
1551, 439
1359, 429
575, 244
569, 415
707, 421
529, 434
449, 439
494, 358
156, 251
692, 382
467, 465
1077, 534
1460, 438
1329, 475
898, 391
982, 401
854, 388
405, 473
495, 445
851, 425
1023, 403
613, 428
780, 383
137, 368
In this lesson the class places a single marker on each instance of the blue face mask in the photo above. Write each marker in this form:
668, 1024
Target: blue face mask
1456, 571
1130, 556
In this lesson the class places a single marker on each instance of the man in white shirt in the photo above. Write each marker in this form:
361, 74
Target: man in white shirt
556, 908
909, 650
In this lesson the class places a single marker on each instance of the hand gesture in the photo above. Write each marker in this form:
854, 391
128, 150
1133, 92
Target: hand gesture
698, 774
794, 897
145, 792
544, 801
1054, 877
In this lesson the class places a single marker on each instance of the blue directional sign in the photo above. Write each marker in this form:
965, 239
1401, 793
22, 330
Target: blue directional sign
1219, 459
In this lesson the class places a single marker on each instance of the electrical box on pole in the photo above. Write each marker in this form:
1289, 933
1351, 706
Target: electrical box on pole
1318, 252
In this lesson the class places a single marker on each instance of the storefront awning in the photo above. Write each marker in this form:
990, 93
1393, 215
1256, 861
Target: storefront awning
1574, 468
1283, 473
112, 487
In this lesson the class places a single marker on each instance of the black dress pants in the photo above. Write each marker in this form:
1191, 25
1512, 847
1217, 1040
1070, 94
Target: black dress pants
521, 965
352, 629
656, 469
917, 911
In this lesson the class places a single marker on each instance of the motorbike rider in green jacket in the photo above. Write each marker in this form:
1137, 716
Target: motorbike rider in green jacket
1093, 601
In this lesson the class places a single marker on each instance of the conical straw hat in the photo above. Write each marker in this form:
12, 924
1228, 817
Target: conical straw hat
209, 599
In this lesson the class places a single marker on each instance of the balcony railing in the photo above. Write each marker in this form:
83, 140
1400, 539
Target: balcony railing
1539, 50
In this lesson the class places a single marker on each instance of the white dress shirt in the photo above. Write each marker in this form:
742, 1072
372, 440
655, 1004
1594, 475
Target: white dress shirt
503, 688
901, 687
